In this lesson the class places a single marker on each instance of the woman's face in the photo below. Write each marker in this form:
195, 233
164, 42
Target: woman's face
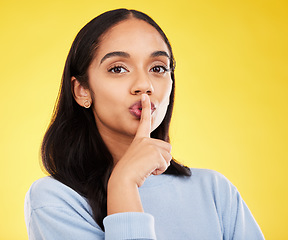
132, 59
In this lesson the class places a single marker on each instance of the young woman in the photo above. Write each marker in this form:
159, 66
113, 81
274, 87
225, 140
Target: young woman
107, 148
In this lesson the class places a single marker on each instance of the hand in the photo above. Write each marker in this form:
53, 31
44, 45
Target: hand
145, 155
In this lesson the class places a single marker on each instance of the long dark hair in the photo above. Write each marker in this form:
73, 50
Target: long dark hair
73, 151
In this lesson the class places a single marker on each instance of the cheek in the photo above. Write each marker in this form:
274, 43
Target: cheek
165, 90
159, 115
104, 97
102, 90
164, 99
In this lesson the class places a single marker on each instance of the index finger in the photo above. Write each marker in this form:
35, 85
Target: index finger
144, 127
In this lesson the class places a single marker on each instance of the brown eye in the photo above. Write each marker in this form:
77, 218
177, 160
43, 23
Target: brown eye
117, 69
159, 69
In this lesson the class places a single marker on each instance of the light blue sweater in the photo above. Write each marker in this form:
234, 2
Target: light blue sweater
201, 207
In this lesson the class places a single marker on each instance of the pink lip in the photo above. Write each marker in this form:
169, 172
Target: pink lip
136, 109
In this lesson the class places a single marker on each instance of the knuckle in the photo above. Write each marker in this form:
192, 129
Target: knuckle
145, 139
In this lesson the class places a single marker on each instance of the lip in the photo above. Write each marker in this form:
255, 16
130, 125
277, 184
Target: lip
136, 109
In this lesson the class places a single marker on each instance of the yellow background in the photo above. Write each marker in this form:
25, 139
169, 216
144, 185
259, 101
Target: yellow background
231, 100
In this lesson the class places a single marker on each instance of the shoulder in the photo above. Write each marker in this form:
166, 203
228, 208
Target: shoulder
208, 176
51, 203
48, 192
212, 182
206, 173
236, 219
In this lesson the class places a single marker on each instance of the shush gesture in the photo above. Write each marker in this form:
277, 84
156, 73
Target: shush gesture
145, 155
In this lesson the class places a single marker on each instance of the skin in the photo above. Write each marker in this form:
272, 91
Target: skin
125, 70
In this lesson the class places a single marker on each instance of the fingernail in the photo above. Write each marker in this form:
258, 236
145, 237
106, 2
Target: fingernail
143, 97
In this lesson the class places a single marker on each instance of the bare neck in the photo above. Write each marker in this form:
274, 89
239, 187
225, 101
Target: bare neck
117, 144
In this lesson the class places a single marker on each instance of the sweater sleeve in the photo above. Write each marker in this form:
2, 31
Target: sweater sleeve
244, 226
238, 221
57, 223
129, 225
54, 211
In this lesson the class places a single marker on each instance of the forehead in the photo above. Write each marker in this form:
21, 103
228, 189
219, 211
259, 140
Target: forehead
133, 36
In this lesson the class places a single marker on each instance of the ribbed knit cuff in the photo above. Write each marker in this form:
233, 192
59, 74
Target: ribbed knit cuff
129, 225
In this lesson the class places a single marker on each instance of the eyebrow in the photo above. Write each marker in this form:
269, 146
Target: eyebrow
160, 53
127, 55
115, 54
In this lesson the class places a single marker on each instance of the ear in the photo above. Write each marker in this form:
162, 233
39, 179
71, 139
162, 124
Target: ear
80, 93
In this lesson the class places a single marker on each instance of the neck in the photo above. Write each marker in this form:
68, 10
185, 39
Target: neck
117, 144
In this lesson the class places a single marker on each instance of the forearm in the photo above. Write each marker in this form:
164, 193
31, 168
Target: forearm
122, 196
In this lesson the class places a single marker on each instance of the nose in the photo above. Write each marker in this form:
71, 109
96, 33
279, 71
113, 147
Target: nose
142, 84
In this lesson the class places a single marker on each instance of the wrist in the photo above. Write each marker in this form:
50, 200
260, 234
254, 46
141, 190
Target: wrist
127, 177
122, 196
119, 182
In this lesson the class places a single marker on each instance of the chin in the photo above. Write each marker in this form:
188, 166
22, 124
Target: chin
132, 128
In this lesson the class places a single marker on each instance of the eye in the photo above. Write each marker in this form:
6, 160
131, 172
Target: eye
159, 69
117, 69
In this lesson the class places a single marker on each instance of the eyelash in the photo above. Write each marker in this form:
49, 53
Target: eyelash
165, 69
117, 66
112, 69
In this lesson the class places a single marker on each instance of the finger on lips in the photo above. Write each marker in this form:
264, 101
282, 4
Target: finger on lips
143, 132
145, 121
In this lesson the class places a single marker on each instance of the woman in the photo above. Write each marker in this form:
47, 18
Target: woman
108, 153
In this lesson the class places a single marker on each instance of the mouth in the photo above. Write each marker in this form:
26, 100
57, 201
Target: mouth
136, 109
